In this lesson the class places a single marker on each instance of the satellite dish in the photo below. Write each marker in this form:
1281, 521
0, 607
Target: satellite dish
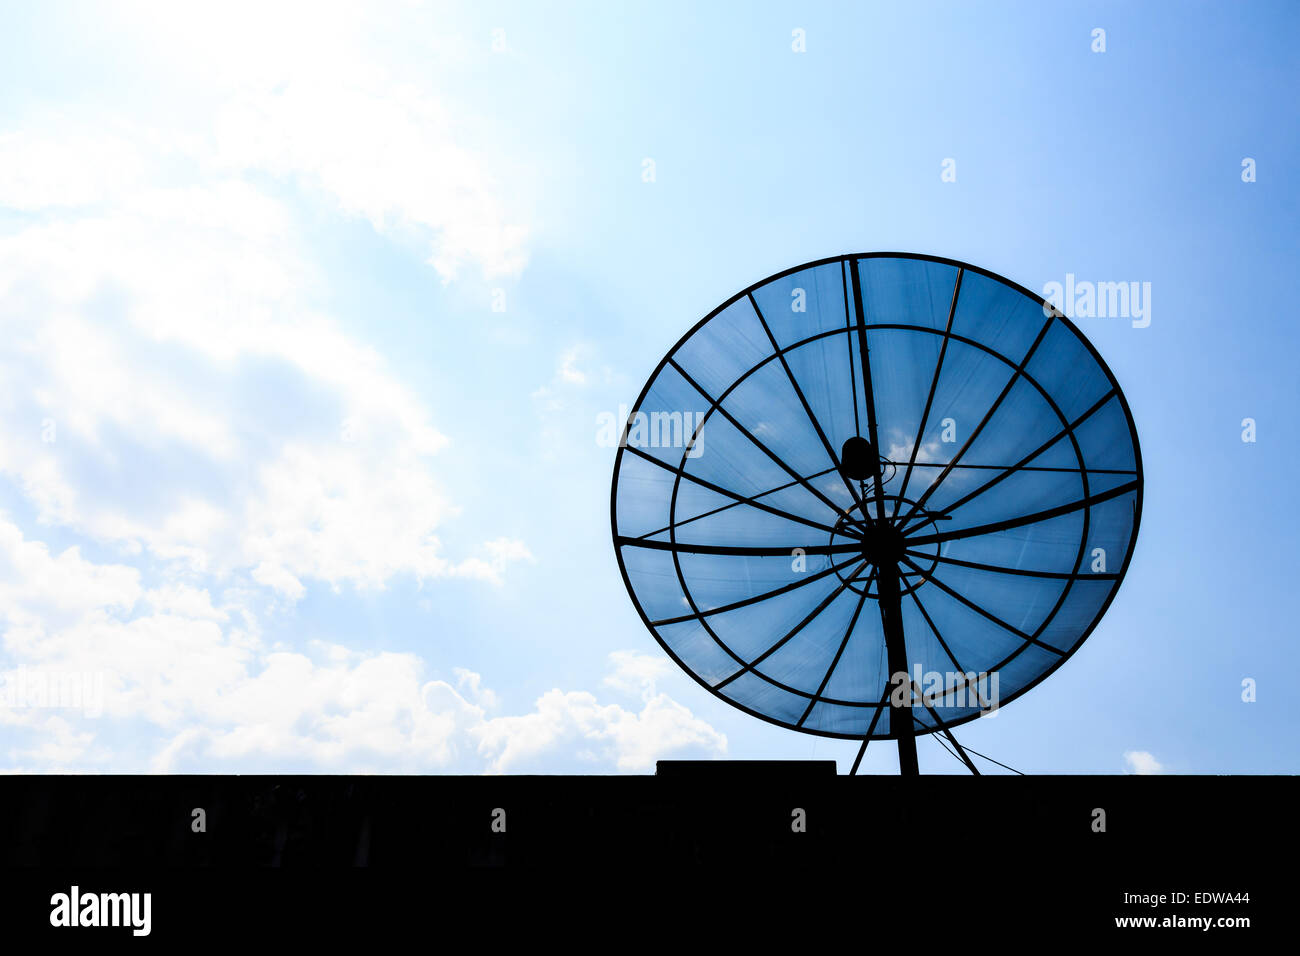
877, 465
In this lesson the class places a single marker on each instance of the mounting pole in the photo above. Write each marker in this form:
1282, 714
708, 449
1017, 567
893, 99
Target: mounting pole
885, 550
900, 715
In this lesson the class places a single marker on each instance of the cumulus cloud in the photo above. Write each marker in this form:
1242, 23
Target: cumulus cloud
327, 513
1140, 762
199, 687
376, 713
635, 673
578, 722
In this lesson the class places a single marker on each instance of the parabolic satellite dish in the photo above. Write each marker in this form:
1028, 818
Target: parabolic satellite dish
872, 465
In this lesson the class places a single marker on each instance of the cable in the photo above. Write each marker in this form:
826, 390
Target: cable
939, 741
968, 749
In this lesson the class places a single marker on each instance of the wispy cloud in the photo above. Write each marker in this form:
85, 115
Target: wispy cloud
165, 293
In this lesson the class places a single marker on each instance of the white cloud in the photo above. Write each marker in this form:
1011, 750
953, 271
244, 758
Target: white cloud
327, 513
1141, 762
635, 673
575, 721
569, 386
57, 745
200, 688
165, 268
35, 584
38, 172
572, 371
172, 387
183, 600
568, 371
470, 684
900, 446
201, 282
501, 553
304, 91
384, 154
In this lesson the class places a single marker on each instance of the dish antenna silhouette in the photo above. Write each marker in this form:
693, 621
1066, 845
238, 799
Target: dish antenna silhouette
877, 496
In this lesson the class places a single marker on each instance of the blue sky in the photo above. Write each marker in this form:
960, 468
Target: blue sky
281, 479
